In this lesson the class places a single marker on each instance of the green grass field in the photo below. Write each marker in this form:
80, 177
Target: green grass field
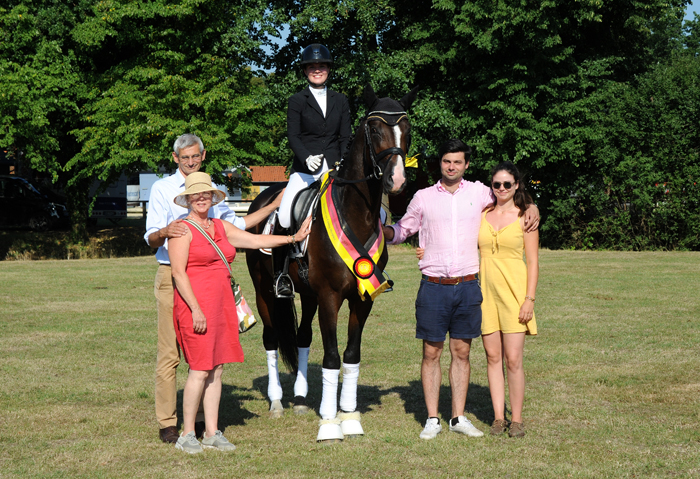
613, 380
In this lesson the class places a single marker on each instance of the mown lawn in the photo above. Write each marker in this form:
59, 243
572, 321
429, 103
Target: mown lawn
613, 380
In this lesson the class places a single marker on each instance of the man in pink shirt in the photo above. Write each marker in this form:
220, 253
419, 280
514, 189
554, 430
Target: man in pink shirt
447, 217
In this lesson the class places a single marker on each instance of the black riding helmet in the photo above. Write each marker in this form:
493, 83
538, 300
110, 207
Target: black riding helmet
316, 53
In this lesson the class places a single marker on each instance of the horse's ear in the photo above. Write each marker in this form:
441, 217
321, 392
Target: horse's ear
369, 96
409, 98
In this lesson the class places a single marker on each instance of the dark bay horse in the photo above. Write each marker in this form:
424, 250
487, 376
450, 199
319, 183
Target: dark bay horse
373, 165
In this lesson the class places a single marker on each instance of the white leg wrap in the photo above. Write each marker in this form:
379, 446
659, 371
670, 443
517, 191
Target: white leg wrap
348, 394
329, 400
274, 388
301, 386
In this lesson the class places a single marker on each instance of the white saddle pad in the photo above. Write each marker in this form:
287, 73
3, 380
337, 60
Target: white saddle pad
270, 226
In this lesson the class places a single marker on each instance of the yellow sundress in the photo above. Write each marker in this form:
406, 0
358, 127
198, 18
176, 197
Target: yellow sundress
503, 278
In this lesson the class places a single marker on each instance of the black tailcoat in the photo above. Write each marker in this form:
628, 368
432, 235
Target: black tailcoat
309, 133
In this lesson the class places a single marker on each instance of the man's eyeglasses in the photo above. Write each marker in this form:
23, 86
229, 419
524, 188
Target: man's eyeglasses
506, 184
196, 157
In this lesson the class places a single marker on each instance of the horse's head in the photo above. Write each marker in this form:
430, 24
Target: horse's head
388, 137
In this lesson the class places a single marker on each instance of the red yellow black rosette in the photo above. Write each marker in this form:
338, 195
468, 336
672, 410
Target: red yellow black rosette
363, 267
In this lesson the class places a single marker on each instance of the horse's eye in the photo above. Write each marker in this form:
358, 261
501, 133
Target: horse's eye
374, 130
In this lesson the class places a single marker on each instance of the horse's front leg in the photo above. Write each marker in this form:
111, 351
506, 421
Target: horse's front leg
329, 429
349, 416
309, 304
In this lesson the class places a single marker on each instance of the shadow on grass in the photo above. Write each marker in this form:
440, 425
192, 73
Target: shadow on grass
478, 401
230, 411
368, 397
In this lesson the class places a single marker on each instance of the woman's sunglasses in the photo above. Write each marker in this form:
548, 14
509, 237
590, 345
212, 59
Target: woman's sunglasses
506, 184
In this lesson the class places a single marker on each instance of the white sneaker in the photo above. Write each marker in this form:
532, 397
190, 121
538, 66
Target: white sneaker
189, 444
432, 428
465, 426
217, 441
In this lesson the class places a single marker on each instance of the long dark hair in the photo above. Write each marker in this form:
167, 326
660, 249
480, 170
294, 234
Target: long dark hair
521, 198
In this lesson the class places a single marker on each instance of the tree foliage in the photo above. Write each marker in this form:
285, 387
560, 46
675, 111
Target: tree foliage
563, 88
95, 89
531, 82
645, 192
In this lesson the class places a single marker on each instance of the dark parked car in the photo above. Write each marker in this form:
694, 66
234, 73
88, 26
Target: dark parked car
22, 205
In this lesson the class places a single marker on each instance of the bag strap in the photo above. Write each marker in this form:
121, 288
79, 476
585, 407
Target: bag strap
211, 240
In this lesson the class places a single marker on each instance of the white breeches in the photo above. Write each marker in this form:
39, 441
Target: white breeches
297, 182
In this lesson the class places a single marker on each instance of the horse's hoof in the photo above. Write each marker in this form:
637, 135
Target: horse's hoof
300, 406
352, 428
350, 424
329, 431
329, 441
300, 409
276, 409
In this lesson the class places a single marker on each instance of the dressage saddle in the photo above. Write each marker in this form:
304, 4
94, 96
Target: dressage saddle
303, 205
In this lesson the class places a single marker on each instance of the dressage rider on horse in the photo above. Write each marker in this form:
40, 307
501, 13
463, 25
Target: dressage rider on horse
319, 131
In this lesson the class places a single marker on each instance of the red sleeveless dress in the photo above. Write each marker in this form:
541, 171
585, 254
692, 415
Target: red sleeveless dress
210, 282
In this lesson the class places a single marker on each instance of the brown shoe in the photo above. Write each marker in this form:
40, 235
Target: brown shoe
499, 426
517, 429
169, 434
199, 429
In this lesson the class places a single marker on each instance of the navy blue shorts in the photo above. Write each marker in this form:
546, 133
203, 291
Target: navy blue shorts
443, 308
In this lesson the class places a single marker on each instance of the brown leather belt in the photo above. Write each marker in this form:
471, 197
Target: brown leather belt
455, 280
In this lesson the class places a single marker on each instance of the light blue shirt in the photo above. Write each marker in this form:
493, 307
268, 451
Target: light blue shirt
162, 210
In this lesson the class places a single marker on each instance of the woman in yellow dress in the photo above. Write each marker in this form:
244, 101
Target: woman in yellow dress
508, 285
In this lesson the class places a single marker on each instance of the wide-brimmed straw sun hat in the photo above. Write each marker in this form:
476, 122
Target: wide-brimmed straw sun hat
199, 182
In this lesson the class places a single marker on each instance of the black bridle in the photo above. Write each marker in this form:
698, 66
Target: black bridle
390, 118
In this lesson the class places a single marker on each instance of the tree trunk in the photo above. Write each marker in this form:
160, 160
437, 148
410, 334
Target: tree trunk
78, 203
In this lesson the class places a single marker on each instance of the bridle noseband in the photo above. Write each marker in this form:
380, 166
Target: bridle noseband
390, 118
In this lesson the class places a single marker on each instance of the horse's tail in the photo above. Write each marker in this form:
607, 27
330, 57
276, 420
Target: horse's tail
284, 322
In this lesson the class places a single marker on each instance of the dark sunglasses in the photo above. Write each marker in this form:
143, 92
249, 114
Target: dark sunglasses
506, 184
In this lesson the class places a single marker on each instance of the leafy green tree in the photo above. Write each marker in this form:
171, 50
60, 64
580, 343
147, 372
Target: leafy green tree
95, 89
92, 89
645, 194
523, 81
691, 37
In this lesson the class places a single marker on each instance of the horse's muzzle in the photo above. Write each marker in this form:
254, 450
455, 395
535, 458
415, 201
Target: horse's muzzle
395, 176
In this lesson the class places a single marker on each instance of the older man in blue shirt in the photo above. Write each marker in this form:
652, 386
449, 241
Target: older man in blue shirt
164, 221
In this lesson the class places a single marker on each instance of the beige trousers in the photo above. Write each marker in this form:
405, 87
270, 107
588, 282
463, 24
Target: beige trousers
168, 357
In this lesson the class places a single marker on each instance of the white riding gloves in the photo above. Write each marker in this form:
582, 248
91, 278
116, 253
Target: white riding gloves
314, 161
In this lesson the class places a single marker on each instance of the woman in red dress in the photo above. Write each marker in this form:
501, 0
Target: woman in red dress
204, 308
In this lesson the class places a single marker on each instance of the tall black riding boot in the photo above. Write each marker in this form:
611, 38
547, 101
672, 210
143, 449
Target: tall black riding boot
284, 287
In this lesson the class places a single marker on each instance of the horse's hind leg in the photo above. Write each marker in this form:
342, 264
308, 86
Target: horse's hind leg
274, 387
309, 305
350, 418
260, 269
263, 300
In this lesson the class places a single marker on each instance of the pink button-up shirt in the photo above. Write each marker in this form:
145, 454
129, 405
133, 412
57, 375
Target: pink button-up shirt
448, 226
